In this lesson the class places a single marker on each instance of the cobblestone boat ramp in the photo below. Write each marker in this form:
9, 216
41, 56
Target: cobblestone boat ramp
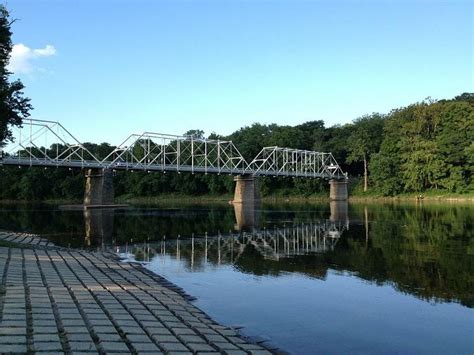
56, 301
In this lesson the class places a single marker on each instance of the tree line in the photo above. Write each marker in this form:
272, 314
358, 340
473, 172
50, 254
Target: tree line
426, 146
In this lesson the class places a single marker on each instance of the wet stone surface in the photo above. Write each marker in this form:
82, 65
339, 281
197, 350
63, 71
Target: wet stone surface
55, 300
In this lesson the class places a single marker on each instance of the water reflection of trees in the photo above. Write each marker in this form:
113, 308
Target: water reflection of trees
425, 251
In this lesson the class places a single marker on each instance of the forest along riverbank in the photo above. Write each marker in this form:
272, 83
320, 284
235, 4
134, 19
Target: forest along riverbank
54, 299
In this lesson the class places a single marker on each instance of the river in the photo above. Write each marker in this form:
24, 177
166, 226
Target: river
304, 278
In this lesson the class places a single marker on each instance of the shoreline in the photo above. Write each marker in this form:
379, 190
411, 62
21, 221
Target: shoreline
93, 301
226, 199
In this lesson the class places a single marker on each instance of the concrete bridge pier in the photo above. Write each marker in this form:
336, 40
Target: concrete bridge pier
99, 190
246, 190
338, 190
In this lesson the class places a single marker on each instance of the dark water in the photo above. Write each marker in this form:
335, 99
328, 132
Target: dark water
308, 278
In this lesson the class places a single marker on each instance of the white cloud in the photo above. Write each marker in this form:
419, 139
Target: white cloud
22, 57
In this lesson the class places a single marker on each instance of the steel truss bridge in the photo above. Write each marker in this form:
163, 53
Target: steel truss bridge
50, 144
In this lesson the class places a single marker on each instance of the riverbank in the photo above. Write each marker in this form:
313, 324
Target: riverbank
226, 198
60, 300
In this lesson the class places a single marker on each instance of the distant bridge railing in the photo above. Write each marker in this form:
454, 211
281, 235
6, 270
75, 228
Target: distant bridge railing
161, 152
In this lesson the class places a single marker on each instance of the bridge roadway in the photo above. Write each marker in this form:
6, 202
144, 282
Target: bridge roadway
48, 144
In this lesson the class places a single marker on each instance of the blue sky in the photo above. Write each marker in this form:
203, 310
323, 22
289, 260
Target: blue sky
116, 67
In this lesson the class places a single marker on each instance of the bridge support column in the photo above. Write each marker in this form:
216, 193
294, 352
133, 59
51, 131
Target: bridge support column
246, 190
338, 190
99, 189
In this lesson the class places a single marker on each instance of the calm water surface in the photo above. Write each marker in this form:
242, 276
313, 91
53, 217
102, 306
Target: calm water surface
313, 278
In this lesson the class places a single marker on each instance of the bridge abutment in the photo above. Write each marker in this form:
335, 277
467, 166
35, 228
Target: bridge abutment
99, 189
338, 190
246, 190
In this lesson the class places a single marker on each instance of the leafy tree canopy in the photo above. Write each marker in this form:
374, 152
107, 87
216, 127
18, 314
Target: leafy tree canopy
14, 107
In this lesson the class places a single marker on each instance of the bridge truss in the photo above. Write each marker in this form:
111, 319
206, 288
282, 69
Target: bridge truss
50, 144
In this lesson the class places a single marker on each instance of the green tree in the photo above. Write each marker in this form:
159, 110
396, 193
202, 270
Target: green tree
14, 107
365, 140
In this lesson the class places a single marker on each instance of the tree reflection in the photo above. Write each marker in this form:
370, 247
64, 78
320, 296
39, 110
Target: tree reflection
424, 250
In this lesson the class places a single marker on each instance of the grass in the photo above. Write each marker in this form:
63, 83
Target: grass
355, 194
174, 198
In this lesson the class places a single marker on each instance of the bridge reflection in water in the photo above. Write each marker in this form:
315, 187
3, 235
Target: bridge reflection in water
99, 227
278, 242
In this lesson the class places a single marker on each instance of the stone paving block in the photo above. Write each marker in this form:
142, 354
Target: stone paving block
109, 337
158, 331
73, 322
72, 315
114, 346
44, 322
132, 330
236, 340
70, 329
15, 349
124, 316
97, 316
138, 338
200, 347
14, 317
12, 331
215, 338
191, 339
14, 311
183, 331
173, 347
41, 317
236, 352
175, 325
14, 339
100, 322
251, 347
47, 346
82, 346
105, 329
145, 317
14, 304
145, 347
126, 323
165, 338
260, 352
228, 332
14, 323
226, 346
45, 330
